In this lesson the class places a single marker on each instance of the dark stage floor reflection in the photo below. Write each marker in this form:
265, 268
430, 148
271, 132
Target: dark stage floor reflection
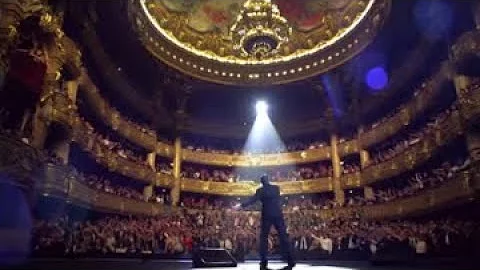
130, 264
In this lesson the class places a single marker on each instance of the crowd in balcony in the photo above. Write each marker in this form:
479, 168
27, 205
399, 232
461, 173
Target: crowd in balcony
402, 187
293, 146
290, 203
181, 232
101, 184
384, 191
420, 181
379, 154
423, 87
278, 174
118, 147
398, 144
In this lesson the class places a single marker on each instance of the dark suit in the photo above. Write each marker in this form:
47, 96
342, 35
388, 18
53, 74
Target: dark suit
272, 214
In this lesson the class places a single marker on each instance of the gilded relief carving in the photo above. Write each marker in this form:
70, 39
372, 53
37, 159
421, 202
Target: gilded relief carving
254, 41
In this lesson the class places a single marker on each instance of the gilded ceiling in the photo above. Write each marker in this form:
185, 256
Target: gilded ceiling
256, 41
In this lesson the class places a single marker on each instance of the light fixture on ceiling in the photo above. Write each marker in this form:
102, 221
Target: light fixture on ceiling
260, 29
261, 107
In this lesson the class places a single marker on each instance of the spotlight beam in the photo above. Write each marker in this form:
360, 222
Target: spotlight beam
263, 137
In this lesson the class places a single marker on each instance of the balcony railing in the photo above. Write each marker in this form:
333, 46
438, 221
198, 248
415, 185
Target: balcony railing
406, 114
58, 182
299, 157
247, 188
417, 154
141, 135
469, 99
147, 138
452, 191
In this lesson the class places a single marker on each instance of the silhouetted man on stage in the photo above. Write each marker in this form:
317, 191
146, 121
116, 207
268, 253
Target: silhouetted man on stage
272, 214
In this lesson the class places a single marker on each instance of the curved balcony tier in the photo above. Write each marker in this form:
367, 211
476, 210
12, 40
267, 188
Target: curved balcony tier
18, 162
417, 154
247, 188
408, 112
146, 138
143, 136
469, 99
58, 183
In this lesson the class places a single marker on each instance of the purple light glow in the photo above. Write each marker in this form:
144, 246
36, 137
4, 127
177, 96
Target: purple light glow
377, 78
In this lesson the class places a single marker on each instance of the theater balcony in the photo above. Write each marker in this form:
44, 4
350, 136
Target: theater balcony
133, 108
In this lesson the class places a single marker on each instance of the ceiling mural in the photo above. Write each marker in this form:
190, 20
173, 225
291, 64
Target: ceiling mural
257, 34
202, 15
219, 15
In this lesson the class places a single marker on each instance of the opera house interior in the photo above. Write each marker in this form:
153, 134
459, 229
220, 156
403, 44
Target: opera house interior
131, 130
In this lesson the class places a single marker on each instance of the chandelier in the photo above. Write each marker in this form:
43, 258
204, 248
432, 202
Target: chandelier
260, 30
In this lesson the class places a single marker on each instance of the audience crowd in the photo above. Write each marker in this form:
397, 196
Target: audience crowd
423, 87
179, 233
104, 185
115, 146
419, 182
290, 203
278, 174
386, 191
401, 142
379, 154
294, 146
409, 185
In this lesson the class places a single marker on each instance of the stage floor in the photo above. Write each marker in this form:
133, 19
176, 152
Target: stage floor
135, 264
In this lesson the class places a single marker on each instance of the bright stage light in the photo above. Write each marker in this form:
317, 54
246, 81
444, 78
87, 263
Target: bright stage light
261, 107
263, 138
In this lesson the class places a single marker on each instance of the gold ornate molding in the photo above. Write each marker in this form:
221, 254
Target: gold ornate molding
468, 43
254, 160
61, 183
415, 155
57, 183
12, 12
449, 129
142, 136
248, 188
174, 36
406, 114
18, 160
469, 100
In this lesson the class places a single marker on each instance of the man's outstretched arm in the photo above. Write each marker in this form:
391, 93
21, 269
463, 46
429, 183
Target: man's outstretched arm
250, 201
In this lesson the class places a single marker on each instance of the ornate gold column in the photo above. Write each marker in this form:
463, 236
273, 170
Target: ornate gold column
177, 167
58, 53
63, 149
364, 154
72, 90
337, 171
468, 93
364, 158
55, 61
149, 191
151, 160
